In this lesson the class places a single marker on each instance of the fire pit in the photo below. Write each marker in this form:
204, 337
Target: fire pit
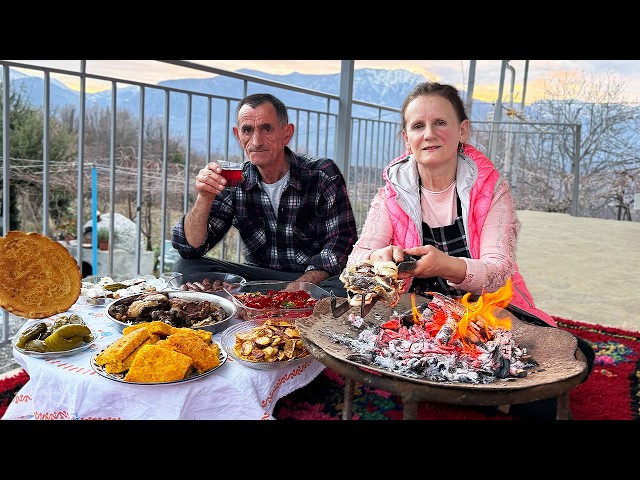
561, 365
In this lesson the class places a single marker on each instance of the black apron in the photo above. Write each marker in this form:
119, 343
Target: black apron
452, 240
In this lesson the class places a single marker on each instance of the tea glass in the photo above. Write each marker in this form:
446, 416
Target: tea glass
232, 172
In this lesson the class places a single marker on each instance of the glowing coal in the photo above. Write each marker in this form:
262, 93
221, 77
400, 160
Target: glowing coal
449, 340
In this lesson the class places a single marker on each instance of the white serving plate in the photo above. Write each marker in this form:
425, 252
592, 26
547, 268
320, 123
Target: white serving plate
61, 353
119, 377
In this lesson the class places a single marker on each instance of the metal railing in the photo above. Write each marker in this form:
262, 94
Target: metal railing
133, 169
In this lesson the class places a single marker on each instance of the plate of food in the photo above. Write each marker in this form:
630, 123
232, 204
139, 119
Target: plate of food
211, 282
158, 354
63, 336
275, 299
38, 276
102, 290
178, 308
269, 345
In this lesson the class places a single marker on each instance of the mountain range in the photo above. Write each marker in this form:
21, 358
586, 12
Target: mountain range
381, 87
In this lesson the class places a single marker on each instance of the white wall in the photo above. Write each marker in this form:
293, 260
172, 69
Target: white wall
124, 262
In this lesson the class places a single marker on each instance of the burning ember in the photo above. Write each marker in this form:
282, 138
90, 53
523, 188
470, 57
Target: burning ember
444, 340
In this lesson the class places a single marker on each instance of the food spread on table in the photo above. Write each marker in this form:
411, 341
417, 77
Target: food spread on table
274, 340
155, 352
38, 276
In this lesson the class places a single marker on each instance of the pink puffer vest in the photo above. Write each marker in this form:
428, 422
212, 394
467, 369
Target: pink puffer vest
406, 234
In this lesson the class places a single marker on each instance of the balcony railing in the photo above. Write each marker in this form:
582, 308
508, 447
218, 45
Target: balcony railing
150, 180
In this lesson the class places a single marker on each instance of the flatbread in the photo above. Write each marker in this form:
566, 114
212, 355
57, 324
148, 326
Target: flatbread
38, 276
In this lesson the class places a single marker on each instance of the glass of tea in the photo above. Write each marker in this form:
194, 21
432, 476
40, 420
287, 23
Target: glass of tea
232, 172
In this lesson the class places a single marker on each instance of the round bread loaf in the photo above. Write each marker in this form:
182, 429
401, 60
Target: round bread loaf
38, 276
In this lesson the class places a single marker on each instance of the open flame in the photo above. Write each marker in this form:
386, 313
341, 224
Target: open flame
478, 319
449, 340
471, 321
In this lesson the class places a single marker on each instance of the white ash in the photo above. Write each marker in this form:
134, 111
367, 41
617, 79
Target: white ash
356, 320
415, 354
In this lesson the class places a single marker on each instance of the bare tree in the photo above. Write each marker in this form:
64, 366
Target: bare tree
609, 147
97, 147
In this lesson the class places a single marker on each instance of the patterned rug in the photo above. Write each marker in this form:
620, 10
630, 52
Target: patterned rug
9, 387
610, 393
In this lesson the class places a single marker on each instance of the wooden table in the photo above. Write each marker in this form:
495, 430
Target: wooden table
562, 365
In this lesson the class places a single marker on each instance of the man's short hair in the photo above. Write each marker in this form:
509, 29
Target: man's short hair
258, 99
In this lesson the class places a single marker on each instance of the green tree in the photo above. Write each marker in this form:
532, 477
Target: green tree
101, 142
26, 153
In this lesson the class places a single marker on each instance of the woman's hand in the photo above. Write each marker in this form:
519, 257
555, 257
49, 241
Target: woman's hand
436, 263
432, 262
392, 253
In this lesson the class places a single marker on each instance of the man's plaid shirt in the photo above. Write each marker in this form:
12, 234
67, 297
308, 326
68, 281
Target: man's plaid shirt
315, 228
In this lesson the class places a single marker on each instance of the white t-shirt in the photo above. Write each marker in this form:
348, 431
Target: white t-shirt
274, 191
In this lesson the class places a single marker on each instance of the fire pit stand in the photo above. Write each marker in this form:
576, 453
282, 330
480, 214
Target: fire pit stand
561, 366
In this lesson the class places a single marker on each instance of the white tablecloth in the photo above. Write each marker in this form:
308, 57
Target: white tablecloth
67, 387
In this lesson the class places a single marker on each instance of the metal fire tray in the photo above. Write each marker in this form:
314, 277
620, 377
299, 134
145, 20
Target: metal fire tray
561, 364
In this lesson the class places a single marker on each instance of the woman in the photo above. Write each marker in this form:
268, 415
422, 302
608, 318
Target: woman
444, 201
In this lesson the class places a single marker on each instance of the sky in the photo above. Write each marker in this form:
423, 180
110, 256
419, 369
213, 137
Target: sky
454, 72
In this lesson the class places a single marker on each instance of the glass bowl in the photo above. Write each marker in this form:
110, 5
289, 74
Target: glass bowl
270, 289
212, 282
101, 290
228, 340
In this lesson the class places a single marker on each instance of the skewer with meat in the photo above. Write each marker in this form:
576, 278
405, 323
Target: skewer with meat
371, 281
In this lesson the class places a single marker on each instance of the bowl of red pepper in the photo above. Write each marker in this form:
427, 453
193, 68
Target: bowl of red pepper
259, 300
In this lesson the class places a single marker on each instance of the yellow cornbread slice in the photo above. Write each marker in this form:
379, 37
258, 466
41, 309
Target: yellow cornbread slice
121, 348
157, 364
156, 326
126, 364
204, 355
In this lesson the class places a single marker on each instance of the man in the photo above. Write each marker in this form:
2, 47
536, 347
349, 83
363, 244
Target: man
292, 211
